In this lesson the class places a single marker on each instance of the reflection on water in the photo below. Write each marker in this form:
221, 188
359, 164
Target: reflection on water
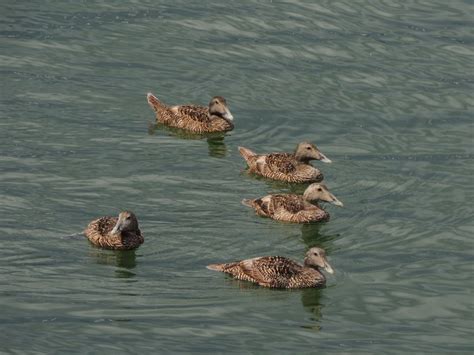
217, 147
215, 141
313, 237
310, 298
125, 260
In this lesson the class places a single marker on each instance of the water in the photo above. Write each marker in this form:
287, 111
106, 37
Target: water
383, 87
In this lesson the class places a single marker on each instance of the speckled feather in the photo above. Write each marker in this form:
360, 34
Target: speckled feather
98, 233
189, 117
273, 271
288, 208
281, 166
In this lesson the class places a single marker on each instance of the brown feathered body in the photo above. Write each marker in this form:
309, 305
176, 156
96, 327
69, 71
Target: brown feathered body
98, 233
273, 271
288, 208
281, 166
193, 118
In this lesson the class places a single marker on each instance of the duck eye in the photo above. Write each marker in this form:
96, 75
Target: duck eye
128, 217
320, 189
309, 148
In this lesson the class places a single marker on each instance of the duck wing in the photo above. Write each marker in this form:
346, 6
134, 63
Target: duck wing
293, 208
271, 271
99, 229
288, 202
275, 205
193, 112
101, 225
281, 163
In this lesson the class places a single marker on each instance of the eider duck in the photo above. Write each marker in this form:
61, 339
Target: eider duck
280, 272
198, 119
295, 208
289, 167
120, 233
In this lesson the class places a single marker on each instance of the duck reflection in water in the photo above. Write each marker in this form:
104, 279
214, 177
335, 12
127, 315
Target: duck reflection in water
279, 271
215, 141
311, 300
311, 234
124, 260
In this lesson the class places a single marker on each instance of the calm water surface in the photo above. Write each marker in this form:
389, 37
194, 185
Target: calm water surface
383, 87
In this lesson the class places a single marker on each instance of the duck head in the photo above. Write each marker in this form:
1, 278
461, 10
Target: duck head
316, 258
306, 151
218, 107
127, 222
319, 192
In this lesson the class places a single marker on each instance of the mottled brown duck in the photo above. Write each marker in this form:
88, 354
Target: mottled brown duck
199, 119
280, 272
295, 208
120, 233
290, 167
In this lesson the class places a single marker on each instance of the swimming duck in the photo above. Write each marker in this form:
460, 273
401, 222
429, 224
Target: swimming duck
295, 208
198, 119
120, 233
290, 167
280, 272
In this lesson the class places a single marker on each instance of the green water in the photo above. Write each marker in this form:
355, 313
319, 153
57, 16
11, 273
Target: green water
383, 87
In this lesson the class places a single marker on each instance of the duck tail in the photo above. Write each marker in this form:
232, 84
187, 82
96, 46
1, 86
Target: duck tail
155, 104
247, 153
216, 267
248, 202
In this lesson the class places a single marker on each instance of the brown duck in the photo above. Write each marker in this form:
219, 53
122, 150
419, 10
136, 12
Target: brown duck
198, 119
280, 272
120, 233
295, 208
290, 167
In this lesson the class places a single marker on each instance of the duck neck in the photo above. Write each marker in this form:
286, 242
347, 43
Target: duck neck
309, 200
317, 272
215, 115
311, 266
301, 158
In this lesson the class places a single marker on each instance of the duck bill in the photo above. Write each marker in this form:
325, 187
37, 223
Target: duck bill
324, 158
328, 267
336, 202
117, 228
227, 115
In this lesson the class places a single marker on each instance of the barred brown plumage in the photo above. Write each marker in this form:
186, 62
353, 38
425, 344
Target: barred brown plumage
295, 208
280, 272
198, 119
120, 233
289, 167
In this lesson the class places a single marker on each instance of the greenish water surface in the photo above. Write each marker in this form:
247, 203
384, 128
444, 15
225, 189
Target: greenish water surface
383, 87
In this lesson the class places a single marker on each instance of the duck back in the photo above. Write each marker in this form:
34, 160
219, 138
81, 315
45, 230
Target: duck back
193, 118
273, 271
98, 233
281, 166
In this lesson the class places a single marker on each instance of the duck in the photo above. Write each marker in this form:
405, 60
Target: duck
118, 233
295, 208
290, 167
279, 271
198, 119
